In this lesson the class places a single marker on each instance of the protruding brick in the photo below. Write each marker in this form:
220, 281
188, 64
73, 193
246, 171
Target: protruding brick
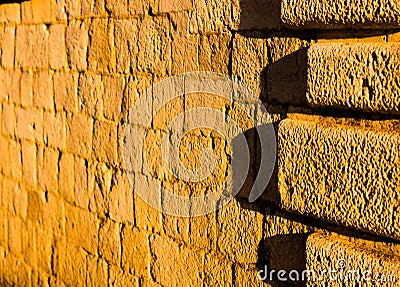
343, 173
356, 262
345, 14
356, 76
214, 52
113, 97
121, 199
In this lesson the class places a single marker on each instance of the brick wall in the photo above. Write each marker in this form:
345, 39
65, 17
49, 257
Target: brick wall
72, 69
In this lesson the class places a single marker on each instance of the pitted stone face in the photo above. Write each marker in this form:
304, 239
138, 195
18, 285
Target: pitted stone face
328, 14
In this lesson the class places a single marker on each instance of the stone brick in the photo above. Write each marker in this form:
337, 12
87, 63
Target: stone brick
5, 82
121, 199
105, 141
357, 76
113, 97
214, 52
4, 165
117, 8
354, 166
72, 8
3, 228
247, 276
239, 236
90, 94
66, 177
58, 54
185, 53
101, 50
65, 91
79, 135
47, 169
20, 201
166, 6
126, 45
215, 16
81, 183
35, 206
54, 129
155, 46
120, 279
97, 272
14, 88
135, 251
15, 160
15, 226
248, 62
32, 46
43, 94
175, 265
8, 187
330, 14
99, 186
69, 262
29, 124
60, 10
93, 8
26, 93
77, 40
110, 242
8, 44
10, 13
330, 251
8, 119
217, 271
29, 164
82, 228
43, 11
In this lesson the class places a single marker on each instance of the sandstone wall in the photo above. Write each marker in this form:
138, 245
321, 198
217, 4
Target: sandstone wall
71, 70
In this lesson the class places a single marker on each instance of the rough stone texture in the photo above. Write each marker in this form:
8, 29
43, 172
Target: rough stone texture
71, 70
357, 259
327, 14
343, 173
357, 76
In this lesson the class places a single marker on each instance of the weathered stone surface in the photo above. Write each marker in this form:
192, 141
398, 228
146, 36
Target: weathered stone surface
346, 14
239, 236
105, 141
79, 135
101, 55
32, 46
77, 40
357, 76
344, 173
354, 261
135, 251
175, 265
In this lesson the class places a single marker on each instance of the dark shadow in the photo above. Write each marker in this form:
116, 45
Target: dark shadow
260, 15
11, 1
